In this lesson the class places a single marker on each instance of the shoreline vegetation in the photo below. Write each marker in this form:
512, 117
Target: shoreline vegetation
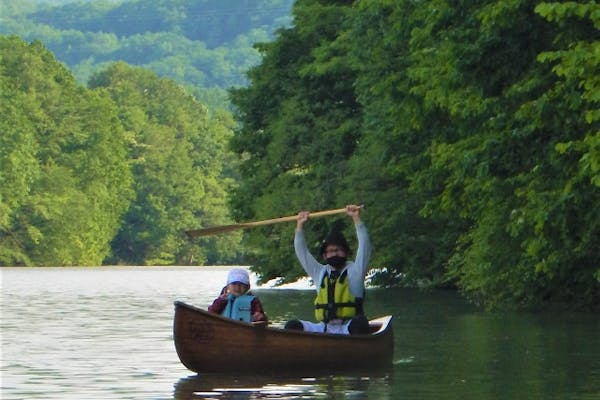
470, 133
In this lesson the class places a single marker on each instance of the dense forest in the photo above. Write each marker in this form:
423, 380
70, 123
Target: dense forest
469, 129
112, 173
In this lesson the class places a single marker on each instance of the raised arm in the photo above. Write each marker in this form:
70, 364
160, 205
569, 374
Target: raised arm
310, 265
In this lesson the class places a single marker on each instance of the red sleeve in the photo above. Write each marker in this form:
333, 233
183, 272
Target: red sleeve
218, 305
258, 313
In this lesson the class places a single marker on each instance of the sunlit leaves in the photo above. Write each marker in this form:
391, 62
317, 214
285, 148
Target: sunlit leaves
66, 145
178, 160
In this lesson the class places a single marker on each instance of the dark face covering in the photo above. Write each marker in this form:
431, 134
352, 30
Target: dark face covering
336, 261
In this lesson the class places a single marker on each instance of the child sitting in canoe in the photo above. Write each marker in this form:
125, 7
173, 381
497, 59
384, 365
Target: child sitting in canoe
237, 302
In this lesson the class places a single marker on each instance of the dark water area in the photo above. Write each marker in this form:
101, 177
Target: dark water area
106, 333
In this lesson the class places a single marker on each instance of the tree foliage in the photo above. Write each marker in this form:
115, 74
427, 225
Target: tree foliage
298, 131
178, 157
112, 173
65, 179
470, 130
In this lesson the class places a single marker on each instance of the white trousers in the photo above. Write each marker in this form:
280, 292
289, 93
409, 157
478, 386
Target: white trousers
337, 327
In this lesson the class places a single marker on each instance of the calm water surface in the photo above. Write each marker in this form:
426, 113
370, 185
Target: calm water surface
106, 333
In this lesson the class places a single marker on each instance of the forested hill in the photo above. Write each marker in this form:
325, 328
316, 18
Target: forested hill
202, 44
216, 23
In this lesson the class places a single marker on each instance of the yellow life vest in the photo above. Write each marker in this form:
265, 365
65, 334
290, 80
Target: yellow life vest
334, 300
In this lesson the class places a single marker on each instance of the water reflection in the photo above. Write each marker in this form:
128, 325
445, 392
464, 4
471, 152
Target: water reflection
106, 333
242, 387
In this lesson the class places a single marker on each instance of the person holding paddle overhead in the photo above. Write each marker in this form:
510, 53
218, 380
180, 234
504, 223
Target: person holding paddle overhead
237, 302
340, 283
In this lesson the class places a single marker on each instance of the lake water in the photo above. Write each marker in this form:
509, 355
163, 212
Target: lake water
106, 333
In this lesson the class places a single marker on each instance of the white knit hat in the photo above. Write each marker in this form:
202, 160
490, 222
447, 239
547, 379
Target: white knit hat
238, 275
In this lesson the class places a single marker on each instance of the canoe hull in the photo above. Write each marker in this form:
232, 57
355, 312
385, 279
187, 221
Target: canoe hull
207, 342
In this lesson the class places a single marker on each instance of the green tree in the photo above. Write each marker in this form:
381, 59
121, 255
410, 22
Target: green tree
19, 168
298, 131
64, 153
470, 131
178, 154
500, 171
413, 245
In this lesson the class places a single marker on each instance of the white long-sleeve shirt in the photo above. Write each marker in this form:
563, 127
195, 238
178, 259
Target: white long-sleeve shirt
357, 269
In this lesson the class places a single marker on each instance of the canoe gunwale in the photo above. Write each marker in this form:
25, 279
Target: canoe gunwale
382, 323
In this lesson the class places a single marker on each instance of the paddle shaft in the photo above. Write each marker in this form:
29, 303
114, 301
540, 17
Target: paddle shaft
227, 228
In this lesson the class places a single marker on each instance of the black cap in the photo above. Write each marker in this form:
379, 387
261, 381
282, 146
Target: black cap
335, 238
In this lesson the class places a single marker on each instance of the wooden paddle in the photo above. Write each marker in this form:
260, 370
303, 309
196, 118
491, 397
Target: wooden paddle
227, 228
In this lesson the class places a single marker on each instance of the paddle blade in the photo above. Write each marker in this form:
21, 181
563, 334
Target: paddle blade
215, 230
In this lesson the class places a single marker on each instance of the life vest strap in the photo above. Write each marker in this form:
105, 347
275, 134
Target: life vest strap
338, 305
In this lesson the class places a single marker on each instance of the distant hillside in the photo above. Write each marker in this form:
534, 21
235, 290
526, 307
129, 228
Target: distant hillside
206, 45
216, 23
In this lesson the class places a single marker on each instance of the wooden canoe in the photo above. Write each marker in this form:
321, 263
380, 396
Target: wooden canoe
207, 342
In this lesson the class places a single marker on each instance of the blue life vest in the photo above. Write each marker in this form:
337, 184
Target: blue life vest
239, 308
